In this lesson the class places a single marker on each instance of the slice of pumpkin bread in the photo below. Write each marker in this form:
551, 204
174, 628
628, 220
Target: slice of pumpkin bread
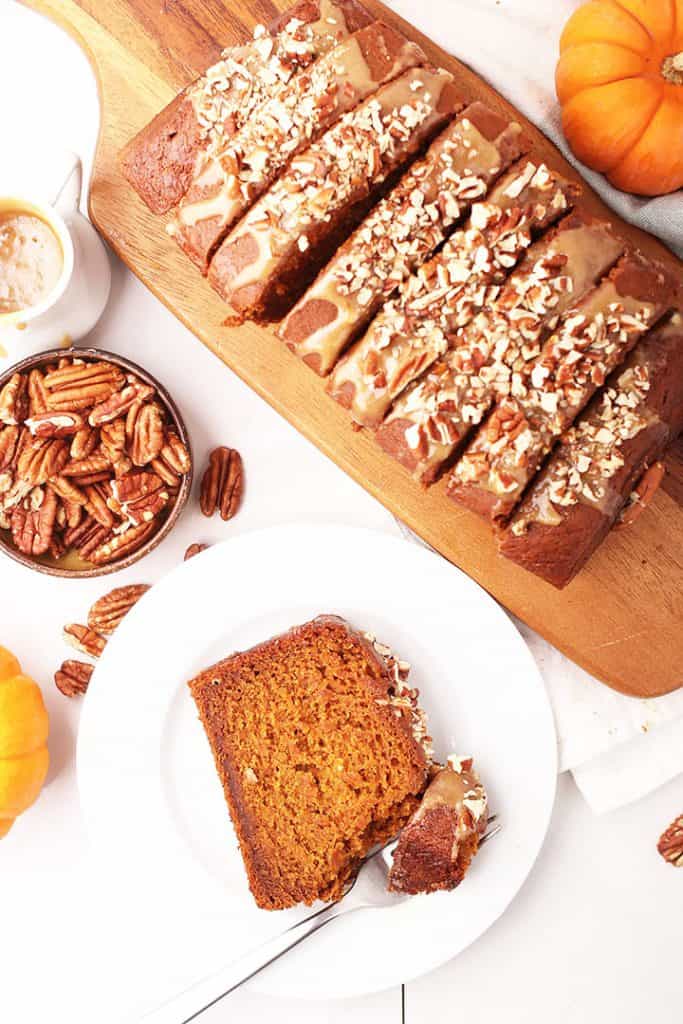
322, 752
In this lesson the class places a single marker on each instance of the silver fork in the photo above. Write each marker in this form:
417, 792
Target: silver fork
369, 889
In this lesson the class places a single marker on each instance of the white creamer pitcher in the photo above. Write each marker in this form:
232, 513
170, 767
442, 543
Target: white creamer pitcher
77, 301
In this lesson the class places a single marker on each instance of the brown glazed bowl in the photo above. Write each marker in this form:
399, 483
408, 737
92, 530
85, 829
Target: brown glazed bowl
94, 354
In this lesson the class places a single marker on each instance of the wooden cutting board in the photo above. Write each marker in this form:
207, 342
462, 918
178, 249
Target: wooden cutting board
622, 618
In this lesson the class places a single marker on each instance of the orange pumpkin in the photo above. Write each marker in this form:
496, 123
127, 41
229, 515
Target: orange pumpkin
23, 741
620, 84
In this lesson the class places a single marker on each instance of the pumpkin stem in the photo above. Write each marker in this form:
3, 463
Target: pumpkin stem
672, 69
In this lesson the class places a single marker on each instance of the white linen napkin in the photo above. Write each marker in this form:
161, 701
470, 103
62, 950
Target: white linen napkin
617, 748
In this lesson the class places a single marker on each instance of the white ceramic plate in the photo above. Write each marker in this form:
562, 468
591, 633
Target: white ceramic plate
154, 806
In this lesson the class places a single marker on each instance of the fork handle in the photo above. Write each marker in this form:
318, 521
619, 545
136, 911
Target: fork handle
188, 1005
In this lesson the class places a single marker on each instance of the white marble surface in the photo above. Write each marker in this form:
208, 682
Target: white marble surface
595, 934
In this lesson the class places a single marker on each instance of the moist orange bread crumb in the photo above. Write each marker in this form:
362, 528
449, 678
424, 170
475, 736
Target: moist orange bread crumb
322, 752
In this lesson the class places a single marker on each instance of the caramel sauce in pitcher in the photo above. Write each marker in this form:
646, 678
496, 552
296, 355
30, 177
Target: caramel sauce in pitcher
31, 258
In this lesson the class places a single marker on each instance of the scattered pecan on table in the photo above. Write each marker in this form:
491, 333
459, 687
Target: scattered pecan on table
89, 460
84, 639
73, 677
104, 617
194, 549
671, 843
222, 483
108, 611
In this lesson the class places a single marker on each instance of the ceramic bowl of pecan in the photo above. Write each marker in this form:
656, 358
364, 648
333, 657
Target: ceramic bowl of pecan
95, 463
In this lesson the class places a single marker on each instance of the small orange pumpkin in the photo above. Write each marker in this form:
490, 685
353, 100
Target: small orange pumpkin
23, 741
620, 85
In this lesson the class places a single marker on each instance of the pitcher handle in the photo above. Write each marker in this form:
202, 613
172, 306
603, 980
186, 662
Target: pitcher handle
68, 196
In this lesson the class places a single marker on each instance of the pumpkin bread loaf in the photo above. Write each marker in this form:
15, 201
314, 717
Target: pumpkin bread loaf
431, 420
591, 476
413, 330
400, 233
436, 847
322, 752
227, 181
159, 162
592, 340
273, 253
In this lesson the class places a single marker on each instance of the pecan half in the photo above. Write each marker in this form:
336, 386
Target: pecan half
73, 514
671, 843
108, 611
175, 454
73, 677
643, 495
84, 444
113, 439
32, 527
94, 478
138, 497
54, 424
68, 491
119, 403
122, 544
9, 438
96, 505
13, 400
37, 393
78, 398
86, 536
57, 547
97, 463
194, 549
42, 460
222, 483
84, 639
170, 478
148, 435
75, 373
